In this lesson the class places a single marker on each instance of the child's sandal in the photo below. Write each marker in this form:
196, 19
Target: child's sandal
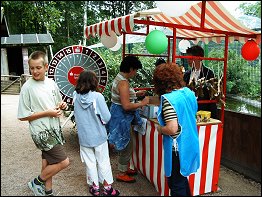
111, 192
94, 191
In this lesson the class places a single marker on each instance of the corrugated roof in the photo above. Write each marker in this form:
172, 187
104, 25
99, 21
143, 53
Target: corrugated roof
27, 40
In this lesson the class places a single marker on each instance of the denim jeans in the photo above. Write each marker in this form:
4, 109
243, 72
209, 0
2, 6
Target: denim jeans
177, 183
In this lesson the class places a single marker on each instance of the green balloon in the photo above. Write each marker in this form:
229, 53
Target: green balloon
156, 42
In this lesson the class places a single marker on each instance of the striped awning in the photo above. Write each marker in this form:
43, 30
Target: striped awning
214, 26
125, 23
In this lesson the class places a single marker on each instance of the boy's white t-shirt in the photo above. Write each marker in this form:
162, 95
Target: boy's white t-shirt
36, 96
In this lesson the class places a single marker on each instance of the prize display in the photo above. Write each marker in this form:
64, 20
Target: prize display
69, 62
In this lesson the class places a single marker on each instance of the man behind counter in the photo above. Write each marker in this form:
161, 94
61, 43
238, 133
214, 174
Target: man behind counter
198, 71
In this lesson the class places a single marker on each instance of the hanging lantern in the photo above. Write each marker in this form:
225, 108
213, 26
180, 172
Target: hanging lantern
109, 41
250, 50
156, 42
117, 46
183, 45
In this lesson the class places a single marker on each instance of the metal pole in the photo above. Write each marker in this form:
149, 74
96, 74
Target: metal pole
85, 21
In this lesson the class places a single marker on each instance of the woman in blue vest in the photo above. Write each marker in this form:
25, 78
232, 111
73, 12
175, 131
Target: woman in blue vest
177, 123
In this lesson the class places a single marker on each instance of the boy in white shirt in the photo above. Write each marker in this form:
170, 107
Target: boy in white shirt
40, 103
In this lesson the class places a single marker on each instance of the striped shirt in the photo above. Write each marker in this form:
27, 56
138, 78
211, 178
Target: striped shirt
115, 96
169, 113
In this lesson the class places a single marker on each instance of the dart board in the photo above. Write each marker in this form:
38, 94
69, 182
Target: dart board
69, 62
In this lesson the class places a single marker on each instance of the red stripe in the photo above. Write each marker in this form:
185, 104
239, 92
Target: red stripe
217, 158
191, 180
159, 162
86, 32
166, 193
144, 154
152, 158
112, 25
127, 23
106, 28
95, 28
90, 30
100, 29
119, 24
204, 160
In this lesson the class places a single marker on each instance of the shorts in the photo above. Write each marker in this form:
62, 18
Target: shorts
55, 155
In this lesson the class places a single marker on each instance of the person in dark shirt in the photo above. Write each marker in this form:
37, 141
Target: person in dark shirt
159, 61
199, 70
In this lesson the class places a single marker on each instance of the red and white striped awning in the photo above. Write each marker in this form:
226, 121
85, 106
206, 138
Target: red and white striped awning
124, 23
216, 24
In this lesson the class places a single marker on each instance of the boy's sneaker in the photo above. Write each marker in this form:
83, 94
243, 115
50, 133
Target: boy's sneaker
50, 194
38, 190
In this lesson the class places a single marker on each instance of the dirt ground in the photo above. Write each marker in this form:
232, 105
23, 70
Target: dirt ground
21, 161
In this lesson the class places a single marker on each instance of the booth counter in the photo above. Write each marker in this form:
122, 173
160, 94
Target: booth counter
148, 157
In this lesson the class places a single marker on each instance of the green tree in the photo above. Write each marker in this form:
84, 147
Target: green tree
25, 17
251, 9
112, 9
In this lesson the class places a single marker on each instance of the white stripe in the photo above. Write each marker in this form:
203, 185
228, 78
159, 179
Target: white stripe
98, 29
162, 172
93, 30
131, 21
134, 150
147, 163
211, 158
109, 26
103, 28
198, 173
140, 150
116, 26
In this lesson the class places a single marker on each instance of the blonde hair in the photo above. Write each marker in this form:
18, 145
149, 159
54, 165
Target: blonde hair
37, 55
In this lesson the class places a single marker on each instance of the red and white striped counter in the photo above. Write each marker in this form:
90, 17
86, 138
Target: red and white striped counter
148, 157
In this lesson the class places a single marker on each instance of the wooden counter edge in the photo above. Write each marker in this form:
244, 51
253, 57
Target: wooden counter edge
211, 121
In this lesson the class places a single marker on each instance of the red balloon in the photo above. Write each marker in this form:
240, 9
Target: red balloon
250, 50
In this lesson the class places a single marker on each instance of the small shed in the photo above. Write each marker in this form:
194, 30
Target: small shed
14, 51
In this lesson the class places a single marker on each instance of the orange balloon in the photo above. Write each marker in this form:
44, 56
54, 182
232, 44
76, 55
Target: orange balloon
250, 50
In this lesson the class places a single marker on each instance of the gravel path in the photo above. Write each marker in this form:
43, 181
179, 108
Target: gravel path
20, 162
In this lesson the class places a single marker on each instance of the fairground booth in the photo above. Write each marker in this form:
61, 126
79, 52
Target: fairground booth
188, 21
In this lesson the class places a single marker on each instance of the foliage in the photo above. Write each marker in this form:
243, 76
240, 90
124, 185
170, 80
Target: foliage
25, 17
113, 9
240, 81
251, 9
